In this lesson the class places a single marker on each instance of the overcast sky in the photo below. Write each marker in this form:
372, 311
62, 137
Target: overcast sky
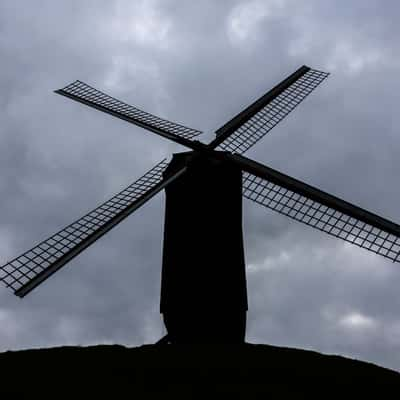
199, 63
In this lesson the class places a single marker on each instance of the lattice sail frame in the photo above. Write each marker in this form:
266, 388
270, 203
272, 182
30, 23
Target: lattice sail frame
88, 95
70, 241
321, 217
249, 133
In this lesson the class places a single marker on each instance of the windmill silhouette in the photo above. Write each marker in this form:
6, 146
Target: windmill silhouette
203, 287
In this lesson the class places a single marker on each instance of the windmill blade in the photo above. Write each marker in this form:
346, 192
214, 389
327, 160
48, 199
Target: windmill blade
252, 124
85, 94
27, 271
319, 209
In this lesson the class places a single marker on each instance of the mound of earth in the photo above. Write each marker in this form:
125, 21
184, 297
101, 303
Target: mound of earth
184, 372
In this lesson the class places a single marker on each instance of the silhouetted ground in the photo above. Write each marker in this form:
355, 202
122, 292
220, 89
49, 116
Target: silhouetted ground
147, 372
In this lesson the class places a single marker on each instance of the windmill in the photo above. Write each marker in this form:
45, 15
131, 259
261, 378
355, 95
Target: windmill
203, 288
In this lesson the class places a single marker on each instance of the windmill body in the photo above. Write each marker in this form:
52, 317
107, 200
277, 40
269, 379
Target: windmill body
203, 288
203, 284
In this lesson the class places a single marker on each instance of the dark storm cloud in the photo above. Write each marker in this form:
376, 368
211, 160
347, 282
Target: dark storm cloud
199, 63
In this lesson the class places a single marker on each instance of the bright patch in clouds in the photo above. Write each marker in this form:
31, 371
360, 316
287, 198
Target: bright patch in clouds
352, 58
356, 320
269, 263
245, 17
140, 22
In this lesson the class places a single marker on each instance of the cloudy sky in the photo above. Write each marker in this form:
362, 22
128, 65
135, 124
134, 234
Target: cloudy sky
199, 63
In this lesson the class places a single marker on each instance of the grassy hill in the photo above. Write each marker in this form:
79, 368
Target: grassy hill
149, 371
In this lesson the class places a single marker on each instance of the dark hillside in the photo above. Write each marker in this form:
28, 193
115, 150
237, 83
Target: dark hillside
188, 372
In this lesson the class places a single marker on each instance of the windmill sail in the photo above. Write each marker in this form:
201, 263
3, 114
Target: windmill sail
27, 271
253, 123
319, 209
83, 93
